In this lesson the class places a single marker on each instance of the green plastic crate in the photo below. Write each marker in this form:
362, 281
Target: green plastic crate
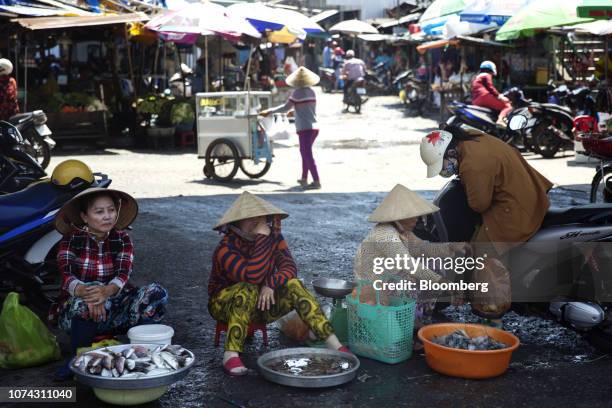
382, 333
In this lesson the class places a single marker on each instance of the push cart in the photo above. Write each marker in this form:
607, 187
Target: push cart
230, 135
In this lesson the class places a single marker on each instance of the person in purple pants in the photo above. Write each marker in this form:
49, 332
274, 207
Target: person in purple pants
303, 101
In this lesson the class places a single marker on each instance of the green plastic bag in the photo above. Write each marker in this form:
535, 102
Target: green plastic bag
24, 339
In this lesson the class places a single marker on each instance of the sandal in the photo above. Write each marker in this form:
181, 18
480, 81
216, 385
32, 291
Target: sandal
232, 364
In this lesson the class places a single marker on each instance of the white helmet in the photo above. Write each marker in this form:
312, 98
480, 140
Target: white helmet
350, 54
433, 147
490, 65
6, 66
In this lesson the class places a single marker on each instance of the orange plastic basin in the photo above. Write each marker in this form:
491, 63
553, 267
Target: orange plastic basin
467, 363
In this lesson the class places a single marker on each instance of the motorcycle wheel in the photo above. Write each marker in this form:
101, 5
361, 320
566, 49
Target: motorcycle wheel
545, 142
599, 189
37, 148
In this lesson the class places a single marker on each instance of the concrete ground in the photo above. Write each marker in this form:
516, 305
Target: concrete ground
360, 158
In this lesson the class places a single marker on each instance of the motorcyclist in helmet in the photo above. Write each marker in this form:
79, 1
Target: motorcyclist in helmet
484, 93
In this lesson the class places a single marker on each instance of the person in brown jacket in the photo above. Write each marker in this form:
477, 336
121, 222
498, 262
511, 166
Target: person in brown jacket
499, 184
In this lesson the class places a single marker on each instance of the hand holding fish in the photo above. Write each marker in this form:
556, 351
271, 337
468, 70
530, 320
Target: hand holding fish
266, 298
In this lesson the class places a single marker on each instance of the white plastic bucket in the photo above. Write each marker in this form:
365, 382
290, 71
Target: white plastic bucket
151, 334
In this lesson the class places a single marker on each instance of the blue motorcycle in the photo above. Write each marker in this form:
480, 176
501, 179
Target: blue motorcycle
28, 239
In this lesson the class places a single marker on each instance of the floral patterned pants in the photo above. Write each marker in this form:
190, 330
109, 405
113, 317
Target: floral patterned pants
128, 308
237, 305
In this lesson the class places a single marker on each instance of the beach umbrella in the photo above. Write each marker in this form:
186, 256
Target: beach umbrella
441, 8
264, 18
354, 27
599, 9
203, 18
491, 11
538, 15
434, 19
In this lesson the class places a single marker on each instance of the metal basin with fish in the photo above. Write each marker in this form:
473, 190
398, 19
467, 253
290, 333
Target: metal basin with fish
134, 390
467, 363
303, 367
333, 288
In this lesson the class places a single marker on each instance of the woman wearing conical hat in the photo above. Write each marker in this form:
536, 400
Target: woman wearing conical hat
393, 235
254, 278
303, 101
95, 261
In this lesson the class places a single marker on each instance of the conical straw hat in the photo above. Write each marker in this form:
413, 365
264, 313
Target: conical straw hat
248, 206
401, 203
69, 216
302, 77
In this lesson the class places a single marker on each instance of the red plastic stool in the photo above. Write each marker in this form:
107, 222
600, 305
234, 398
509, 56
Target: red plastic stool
186, 139
253, 327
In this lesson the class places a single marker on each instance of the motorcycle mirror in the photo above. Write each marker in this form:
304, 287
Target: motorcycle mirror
517, 122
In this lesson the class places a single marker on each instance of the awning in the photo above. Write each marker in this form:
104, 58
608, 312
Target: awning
392, 22
44, 23
33, 11
458, 40
317, 18
375, 37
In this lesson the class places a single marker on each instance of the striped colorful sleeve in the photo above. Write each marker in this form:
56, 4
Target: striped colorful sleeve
65, 260
251, 269
123, 261
285, 265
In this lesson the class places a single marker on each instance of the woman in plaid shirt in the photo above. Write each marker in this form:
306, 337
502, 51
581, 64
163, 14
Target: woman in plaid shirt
95, 260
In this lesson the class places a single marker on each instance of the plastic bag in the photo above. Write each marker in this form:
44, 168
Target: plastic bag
24, 339
496, 301
277, 127
293, 326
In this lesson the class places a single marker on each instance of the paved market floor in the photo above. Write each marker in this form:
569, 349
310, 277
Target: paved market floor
360, 157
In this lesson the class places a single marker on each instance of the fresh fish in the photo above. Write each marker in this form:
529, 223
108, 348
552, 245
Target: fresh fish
130, 364
157, 360
170, 360
128, 352
174, 349
120, 364
143, 359
141, 351
106, 373
107, 362
97, 362
461, 340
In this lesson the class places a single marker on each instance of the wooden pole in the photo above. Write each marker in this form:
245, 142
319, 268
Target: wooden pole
130, 66
206, 63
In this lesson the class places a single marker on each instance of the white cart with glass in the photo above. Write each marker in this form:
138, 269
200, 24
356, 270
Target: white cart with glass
230, 134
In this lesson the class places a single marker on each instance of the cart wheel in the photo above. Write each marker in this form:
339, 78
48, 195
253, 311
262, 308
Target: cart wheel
207, 172
255, 170
222, 160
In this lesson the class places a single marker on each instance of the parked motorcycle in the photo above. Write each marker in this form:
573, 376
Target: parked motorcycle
17, 168
36, 134
480, 119
28, 239
598, 145
547, 272
550, 126
328, 79
378, 80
